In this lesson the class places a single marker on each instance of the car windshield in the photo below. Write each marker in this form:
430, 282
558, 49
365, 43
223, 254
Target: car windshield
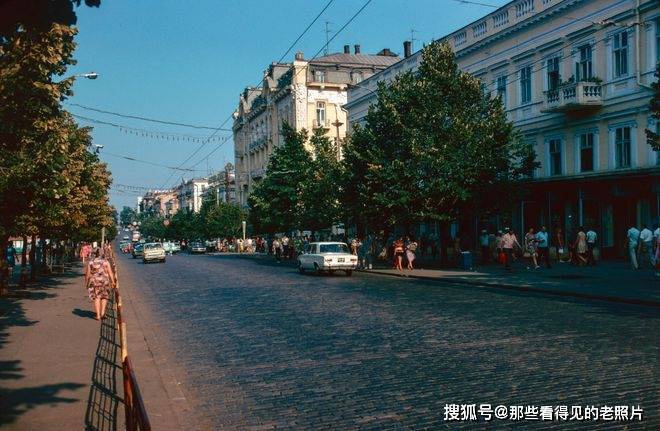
155, 245
333, 248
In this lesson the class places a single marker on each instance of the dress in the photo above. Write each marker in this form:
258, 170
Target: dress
530, 244
410, 251
99, 282
581, 245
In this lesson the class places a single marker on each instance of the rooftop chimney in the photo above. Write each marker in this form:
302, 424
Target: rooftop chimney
386, 52
300, 56
347, 49
357, 48
407, 49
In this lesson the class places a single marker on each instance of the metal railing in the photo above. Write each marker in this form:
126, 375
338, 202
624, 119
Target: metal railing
135, 411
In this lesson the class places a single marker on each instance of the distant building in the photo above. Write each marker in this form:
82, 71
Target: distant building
306, 94
159, 202
190, 194
222, 185
574, 77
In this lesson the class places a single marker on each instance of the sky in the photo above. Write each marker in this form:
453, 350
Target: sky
188, 61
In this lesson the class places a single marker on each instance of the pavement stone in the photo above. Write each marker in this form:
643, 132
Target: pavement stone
257, 346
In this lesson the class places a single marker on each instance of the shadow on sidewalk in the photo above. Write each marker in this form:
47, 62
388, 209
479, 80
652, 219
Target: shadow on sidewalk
104, 400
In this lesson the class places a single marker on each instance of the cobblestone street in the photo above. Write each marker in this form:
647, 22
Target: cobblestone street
264, 347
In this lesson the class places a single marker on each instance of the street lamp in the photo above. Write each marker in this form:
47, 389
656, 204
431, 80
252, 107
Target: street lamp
90, 75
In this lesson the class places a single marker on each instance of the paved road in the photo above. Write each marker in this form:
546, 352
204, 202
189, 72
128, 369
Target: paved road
267, 348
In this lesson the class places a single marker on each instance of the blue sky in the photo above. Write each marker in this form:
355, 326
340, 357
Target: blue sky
187, 61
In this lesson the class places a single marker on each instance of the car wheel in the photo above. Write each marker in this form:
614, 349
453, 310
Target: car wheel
301, 269
317, 270
144, 261
349, 272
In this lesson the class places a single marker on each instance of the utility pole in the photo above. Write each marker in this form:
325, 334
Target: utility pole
327, 37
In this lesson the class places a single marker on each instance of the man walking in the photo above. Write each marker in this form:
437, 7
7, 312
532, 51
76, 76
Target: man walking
633, 242
543, 246
591, 244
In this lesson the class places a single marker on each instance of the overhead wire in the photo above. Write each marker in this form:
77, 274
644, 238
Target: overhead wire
147, 162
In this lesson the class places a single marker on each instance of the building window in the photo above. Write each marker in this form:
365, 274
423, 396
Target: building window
586, 152
553, 73
620, 54
622, 147
357, 77
320, 114
501, 89
526, 84
319, 76
555, 156
583, 68
657, 40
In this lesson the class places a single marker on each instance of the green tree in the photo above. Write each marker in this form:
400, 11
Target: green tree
320, 197
223, 220
434, 146
127, 216
274, 203
38, 15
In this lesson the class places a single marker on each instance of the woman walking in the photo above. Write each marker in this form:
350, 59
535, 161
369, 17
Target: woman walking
530, 247
411, 248
99, 281
398, 254
580, 247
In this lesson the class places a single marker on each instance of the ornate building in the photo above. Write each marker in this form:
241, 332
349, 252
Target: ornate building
306, 94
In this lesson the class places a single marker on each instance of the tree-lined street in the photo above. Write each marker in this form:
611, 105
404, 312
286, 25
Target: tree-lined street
262, 346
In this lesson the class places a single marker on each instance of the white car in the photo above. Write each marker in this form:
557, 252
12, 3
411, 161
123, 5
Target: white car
153, 251
327, 256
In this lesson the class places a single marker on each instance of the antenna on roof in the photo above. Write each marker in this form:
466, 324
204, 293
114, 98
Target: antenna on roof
328, 30
412, 39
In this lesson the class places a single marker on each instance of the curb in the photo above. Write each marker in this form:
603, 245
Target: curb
524, 288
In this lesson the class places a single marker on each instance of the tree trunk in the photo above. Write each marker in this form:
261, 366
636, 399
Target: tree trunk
4, 268
33, 258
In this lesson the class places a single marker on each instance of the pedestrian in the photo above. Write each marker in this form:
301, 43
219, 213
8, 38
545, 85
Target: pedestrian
369, 251
277, 249
411, 248
11, 258
484, 242
559, 245
646, 250
398, 254
99, 282
355, 246
580, 247
591, 245
530, 248
633, 242
542, 245
509, 241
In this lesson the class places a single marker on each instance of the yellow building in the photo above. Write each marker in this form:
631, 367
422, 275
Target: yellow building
574, 76
307, 95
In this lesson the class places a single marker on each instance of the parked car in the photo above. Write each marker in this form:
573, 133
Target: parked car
196, 247
210, 246
327, 256
137, 250
153, 251
126, 238
171, 247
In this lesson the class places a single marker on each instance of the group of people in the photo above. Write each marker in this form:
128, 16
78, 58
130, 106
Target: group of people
644, 247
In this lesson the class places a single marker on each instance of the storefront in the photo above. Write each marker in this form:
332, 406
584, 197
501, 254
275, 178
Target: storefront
610, 204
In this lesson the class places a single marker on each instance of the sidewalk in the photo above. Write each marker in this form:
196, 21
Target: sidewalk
59, 368
609, 281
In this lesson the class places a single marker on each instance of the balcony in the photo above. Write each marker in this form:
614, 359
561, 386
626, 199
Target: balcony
574, 96
257, 173
258, 144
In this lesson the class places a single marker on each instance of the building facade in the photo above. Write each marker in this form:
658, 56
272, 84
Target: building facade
222, 186
574, 77
158, 202
306, 94
190, 194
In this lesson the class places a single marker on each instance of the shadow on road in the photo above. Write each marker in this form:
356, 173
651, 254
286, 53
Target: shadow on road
104, 400
84, 313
